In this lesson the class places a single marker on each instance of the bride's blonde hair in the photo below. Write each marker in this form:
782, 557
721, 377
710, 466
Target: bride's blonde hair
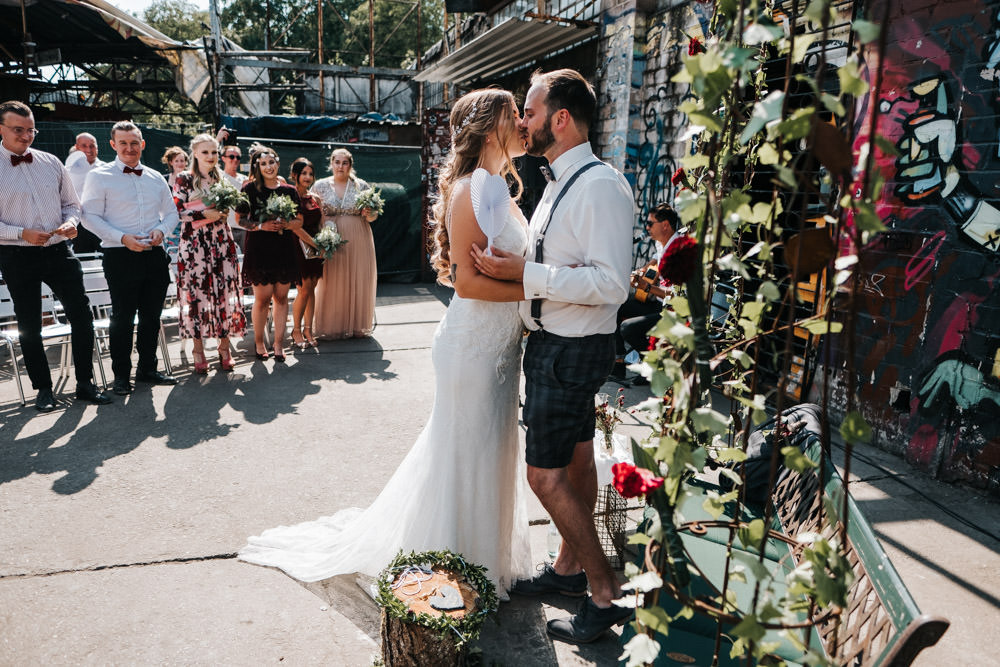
475, 116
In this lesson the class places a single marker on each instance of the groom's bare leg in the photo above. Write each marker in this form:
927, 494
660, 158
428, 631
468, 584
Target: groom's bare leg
582, 475
572, 510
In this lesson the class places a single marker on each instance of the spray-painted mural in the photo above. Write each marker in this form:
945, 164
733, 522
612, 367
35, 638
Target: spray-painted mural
929, 328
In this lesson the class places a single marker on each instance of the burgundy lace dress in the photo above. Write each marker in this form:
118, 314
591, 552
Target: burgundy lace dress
270, 257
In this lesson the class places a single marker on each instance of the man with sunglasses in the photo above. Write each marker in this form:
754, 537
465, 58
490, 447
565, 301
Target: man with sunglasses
231, 156
39, 212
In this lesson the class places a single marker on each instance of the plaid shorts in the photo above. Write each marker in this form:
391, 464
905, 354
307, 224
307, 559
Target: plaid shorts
561, 377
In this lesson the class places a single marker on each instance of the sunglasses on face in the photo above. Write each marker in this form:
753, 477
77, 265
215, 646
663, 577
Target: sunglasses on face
231, 156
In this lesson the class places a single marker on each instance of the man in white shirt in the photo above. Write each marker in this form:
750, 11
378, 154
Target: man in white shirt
572, 289
129, 206
39, 212
231, 156
79, 163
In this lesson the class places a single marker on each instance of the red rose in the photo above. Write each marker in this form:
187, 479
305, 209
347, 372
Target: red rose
695, 47
679, 177
632, 482
678, 262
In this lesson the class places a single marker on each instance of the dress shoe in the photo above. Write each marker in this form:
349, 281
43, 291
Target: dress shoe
88, 391
589, 623
45, 401
155, 377
121, 387
549, 581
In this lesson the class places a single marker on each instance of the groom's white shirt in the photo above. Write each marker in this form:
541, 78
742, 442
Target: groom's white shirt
591, 227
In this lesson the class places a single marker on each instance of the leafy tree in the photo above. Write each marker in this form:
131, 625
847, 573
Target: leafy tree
178, 19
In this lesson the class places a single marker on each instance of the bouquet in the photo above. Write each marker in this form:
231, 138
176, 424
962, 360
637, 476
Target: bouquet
327, 242
608, 416
370, 199
279, 207
224, 196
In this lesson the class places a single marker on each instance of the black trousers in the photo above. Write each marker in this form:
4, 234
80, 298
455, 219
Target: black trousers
138, 283
635, 318
24, 270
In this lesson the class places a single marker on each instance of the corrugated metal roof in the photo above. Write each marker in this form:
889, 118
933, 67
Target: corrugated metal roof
513, 43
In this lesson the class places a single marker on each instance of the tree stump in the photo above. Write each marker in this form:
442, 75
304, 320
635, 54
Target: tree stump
408, 644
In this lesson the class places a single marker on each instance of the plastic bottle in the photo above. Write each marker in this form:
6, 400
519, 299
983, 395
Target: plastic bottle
553, 540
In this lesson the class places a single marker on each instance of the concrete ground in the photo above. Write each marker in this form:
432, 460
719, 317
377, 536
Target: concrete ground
119, 524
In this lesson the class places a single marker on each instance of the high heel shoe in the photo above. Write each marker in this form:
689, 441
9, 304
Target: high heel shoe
226, 360
200, 364
299, 342
307, 333
279, 355
263, 356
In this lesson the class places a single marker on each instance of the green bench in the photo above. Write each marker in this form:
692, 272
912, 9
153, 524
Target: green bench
881, 624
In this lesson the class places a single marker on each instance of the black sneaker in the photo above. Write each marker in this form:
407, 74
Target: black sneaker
548, 581
589, 623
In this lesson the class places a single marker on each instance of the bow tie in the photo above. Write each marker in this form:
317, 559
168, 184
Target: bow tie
547, 173
130, 170
18, 159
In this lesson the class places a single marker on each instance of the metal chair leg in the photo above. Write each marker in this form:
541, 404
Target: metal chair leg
17, 371
99, 351
164, 352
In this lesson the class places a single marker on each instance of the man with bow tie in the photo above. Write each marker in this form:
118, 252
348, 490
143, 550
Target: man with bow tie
130, 208
39, 212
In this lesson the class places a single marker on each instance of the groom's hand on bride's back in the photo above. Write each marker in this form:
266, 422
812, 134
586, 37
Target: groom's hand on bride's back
501, 264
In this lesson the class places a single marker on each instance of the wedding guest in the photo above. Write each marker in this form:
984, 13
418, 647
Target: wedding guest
574, 280
83, 158
208, 273
176, 160
345, 297
128, 205
271, 260
637, 316
231, 156
303, 175
39, 212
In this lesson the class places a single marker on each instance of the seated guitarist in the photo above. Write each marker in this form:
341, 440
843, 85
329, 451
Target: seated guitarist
642, 310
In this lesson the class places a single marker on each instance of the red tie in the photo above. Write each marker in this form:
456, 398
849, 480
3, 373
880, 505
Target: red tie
18, 159
130, 170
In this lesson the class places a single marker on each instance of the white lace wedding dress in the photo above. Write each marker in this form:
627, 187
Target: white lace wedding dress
462, 485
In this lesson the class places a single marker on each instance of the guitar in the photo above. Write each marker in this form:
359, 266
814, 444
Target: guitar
645, 282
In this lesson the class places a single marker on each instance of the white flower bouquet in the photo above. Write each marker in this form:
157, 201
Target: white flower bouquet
279, 207
327, 241
224, 196
370, 199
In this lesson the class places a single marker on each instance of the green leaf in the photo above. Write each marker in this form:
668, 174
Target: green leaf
761, 32
640, 650
741, 358
692, 162
643, 583
706, 120
786, 176
817, 8
866, 219
802, 44
819, 327
851, 82
638, 538
740, 58
749, 628
680, 305
833, 104
769, 291
796, 126
796, 460
751, 561
855, 428
654, 618
707, 419
690, 205
866, 31
751, 534
764, 112
767, 153
731, 454
714, 505
732, 475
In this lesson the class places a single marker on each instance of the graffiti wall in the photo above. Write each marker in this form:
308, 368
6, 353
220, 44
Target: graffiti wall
928, 336
929, 331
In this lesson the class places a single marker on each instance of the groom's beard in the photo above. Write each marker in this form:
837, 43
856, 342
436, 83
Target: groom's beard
541, 140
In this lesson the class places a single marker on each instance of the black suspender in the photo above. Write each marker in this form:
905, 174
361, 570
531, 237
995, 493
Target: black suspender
536, 304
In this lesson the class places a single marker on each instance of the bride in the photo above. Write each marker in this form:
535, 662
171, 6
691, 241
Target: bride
461, 485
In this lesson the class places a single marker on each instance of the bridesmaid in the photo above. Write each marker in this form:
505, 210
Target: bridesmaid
208, 273
303, 175
271, 260
345, 297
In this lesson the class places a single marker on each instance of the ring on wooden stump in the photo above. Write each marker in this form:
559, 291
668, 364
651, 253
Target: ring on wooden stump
433, 603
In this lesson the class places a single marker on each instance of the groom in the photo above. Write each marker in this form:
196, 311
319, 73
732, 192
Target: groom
577, 274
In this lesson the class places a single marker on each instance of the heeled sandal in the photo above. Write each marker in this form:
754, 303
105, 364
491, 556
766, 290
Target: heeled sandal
279, 354
226, 360
200, 364
307, 333
299, 342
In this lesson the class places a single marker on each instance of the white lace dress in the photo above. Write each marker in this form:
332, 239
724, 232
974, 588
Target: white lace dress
462, 485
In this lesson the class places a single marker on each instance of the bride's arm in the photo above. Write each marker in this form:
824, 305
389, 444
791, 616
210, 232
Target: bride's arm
468, 281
